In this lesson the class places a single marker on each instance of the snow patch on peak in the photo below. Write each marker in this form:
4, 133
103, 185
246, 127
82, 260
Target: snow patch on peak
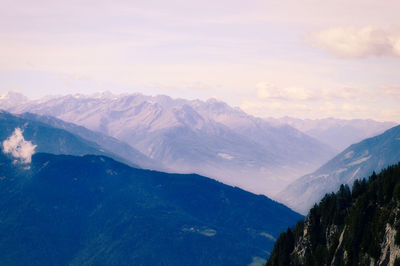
363, 159
353, 176
12, 95
349, 154
341, 170
11, 99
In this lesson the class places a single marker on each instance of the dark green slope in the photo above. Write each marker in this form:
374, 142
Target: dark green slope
92, 210
357, 227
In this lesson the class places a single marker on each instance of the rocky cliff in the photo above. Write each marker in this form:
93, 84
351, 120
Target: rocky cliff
350, 227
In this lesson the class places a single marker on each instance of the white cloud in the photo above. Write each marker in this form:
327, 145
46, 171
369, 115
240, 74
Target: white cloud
357, 42
392, 90
18, 147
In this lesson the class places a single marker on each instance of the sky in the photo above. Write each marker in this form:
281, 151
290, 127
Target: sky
305, 59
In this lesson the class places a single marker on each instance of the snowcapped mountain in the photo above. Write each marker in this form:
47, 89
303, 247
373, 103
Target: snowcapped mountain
357, 161
209, 138
337, 133
12, 99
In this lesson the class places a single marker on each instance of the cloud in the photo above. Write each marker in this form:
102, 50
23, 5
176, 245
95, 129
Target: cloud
357, 42
392, 90
319, 109
18, 147
266, 90
346, 101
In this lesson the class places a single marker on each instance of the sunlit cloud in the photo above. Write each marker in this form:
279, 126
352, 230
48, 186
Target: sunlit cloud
357, 42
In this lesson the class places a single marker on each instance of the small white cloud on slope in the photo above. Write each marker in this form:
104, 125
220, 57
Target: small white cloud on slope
18, 147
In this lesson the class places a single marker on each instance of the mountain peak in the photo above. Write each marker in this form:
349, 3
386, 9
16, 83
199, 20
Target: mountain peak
13, 96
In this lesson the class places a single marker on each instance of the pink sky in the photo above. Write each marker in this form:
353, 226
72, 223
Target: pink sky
308, 59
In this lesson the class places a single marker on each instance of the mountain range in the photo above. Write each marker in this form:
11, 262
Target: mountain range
113, 145
337, 133
105, 209
357, 161
208, 138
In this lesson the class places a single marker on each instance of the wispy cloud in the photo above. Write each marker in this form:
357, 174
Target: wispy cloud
266, 90
357, 42
18, 147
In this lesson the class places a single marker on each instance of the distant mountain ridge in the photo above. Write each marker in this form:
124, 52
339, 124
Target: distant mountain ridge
92, 210
357, 161
209, 138
58, 137
113, 145
337, 133
12, 99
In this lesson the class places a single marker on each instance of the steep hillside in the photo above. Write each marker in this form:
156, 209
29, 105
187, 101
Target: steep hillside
337, 133
52, 139
209, 138
92, 210
358, 227
357, 161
